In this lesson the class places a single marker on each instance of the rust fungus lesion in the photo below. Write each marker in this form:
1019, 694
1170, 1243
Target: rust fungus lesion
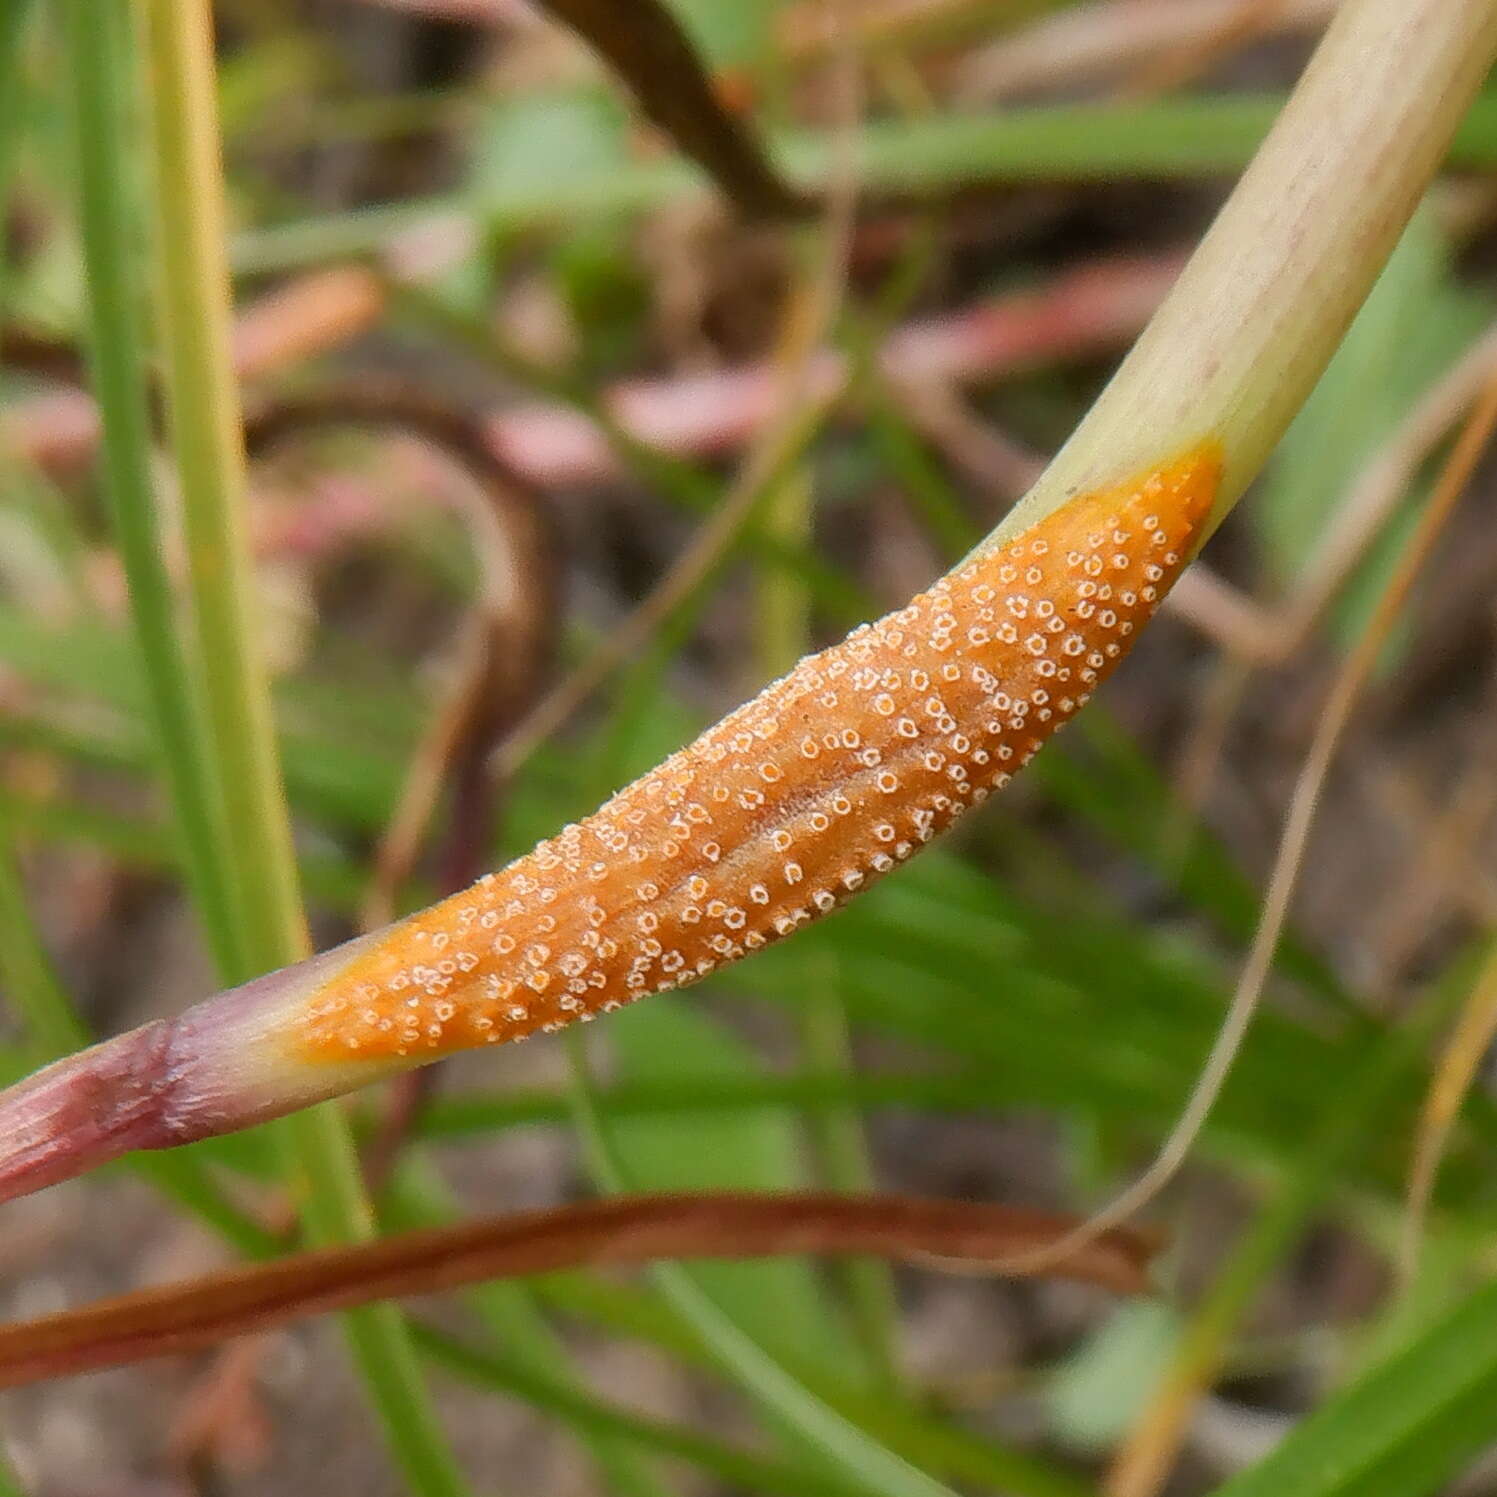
824, 782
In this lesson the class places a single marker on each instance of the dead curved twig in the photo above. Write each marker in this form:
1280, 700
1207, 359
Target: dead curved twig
644, 44
179, 1318
47, 358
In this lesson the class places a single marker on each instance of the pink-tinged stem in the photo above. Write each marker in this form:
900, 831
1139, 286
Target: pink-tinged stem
88, 1109
1083, 312
169, 1082
816, 789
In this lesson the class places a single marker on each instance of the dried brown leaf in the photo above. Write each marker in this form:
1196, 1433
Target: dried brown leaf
179, 1318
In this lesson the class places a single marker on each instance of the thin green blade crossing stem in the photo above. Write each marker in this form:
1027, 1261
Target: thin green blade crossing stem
98, 54
205, 424
784, 1398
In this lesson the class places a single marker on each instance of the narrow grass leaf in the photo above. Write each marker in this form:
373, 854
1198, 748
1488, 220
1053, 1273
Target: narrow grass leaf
1161, 139
99, 69
205, 423
783, 1304
1402, 1430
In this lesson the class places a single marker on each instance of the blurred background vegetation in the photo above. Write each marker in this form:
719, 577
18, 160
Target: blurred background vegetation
557, 453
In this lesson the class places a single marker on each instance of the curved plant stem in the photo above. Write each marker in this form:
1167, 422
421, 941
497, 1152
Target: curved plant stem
205, 422
172, 1319
1263, 302
1289, 858
1249, 325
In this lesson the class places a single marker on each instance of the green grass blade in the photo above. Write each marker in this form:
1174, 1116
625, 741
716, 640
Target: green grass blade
1160, 139
207, 440
98, 71
787, 1401
98, 55
744, 1471
784, 635
207, 445
1403, 1429
518, 1324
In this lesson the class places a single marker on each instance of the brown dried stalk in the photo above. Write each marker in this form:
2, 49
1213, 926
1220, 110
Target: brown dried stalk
645, 45
180, 1318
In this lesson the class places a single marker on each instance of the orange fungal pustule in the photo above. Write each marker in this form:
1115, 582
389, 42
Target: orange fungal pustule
824, 782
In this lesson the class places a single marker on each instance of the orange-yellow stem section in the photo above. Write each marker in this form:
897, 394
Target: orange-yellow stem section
827, 780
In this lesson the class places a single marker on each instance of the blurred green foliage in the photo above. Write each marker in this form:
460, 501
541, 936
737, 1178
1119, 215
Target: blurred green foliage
1008, 984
